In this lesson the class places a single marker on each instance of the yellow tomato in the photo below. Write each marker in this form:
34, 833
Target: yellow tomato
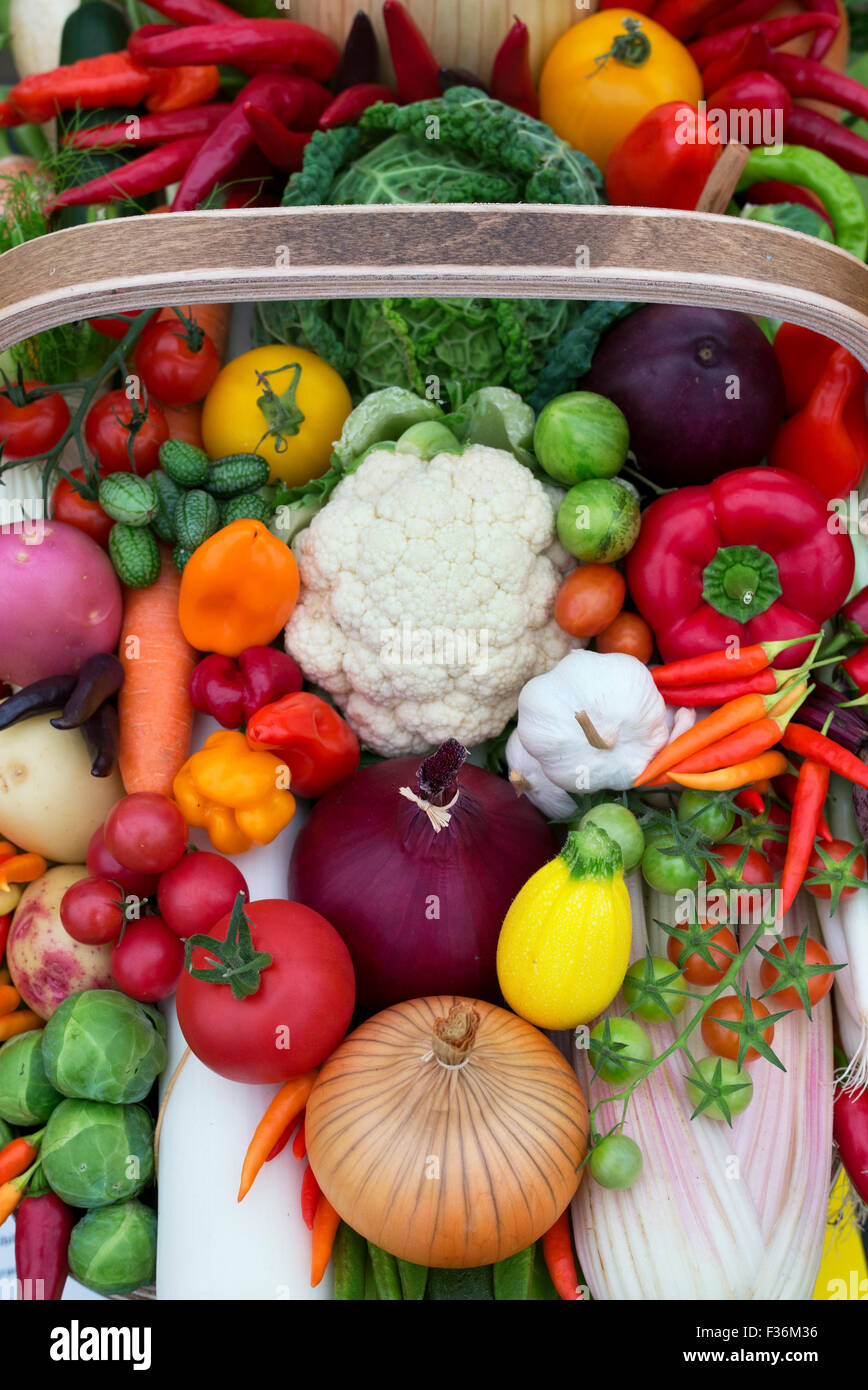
593, 105
282, 402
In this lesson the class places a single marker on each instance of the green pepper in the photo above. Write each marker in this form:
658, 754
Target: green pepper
350, 1257
385, 1269
810, 169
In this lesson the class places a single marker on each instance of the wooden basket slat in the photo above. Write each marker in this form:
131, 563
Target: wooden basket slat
520, 251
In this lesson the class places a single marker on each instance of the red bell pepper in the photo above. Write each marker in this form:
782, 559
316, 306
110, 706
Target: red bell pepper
749, 556
318, 746
853, 617
665, 160
802, 356
112, 79
43, 1226
850, 1130
826, 441
232, 691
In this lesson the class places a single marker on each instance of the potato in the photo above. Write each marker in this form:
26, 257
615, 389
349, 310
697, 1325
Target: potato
49, 802
45, 962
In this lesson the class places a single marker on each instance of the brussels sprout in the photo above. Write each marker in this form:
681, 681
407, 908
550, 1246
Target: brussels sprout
114, 1250
94, 1154
27, 1097
101, 1045
159, 1022
7, 1134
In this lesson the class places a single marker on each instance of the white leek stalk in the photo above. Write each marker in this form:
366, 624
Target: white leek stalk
847, 938
717, 1213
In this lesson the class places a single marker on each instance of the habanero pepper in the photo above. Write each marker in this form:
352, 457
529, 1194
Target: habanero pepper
231, 692
43, 1226
826, 441
240, 796
318, 746
665, 160
237, 589
749, 555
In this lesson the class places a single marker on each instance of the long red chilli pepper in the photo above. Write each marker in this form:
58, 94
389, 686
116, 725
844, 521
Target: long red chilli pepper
718, 692
748, 12
684, 17
43, 1226
850, 1130
281, 1143
282, 147
802, 77
825, 38
722, 665
774, 31
811, 792
751, 54
821, 133
798, 738
299, 1143
146, 174
149, 130
196, 11
273, 41
310, 1195
511, 78
349, 104
786, 786
417, 71
557, 1248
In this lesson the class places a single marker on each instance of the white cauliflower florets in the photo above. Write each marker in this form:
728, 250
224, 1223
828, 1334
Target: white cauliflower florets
427, 591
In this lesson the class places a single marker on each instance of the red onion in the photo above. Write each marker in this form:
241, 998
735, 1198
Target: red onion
847, 726
420, 909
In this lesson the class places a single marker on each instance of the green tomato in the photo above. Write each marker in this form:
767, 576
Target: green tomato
101, 1045
621, 826
650, 1009
668, 873
616, 1162
581, 435
27, 1096
114, 1250
95, 1154
707, 814
637, 1050
598, 521
730, 1075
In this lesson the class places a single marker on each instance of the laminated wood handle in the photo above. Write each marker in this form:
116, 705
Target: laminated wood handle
516, 251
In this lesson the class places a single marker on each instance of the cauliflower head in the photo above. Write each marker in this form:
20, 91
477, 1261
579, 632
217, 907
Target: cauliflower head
427, 592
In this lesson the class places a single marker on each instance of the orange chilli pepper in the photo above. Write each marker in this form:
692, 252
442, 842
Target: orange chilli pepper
237, 589
21, 868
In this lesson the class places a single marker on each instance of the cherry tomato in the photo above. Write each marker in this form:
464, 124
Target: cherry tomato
641, 995
589, 600
88, 516
753, 830
629, 1041
148, 960
668, 873
33, 428
171, 369
723, 1042
731, 1075
741, 904
818, 985
146, 832
107, 433
696, 970
200, 889
101, 863
115, 328
629, 634
92, 911
616, 1162
837, 850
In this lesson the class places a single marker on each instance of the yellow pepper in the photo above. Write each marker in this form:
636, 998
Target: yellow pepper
607, 72
239, 796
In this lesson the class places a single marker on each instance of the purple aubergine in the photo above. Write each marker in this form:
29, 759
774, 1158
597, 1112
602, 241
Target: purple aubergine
701, 389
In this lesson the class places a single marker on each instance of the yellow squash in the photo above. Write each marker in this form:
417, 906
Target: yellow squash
607, 72
564, 946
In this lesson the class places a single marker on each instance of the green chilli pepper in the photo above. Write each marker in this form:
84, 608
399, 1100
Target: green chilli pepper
413, 1280
832, 185
350, 1256
385, 1268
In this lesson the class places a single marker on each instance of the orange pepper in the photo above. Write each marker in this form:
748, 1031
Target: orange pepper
237, 590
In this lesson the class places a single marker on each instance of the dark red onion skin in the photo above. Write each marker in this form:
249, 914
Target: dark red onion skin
860, 800
370, 862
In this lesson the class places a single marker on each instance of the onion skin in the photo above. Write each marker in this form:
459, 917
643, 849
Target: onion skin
448, 1167
421, 912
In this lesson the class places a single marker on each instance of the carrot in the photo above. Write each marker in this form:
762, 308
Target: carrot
723, 721
310, 1197
283, 1109
9, 999
325, 1228
22, 1021
557, 1250
739, 775
746, 743
10, 1196
154, 707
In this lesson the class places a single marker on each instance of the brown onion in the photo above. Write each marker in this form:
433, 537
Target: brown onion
449, 1132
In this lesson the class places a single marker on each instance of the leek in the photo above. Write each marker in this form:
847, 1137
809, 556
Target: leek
718, 1213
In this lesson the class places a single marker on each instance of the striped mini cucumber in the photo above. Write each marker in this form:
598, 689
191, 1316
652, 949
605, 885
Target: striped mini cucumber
238, 473
135, 555
197, 517
168, 496
247, 504
128, 498
181, 555
184, 463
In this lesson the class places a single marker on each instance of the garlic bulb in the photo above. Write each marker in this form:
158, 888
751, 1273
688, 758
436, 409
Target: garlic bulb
528, 779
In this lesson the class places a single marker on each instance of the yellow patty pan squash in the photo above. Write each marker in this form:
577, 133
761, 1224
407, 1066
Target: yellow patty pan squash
564, 946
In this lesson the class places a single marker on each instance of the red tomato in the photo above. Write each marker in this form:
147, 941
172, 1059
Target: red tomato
34, 428
297, 1016
88, 516
147, 960
629, 634
818, 985
170, 368
698, 971
198, 891
113, 421
589, 600
115, 328
146, 832
754, 828
837, 850
101, 863
723, 1042
92, 911
724, 877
